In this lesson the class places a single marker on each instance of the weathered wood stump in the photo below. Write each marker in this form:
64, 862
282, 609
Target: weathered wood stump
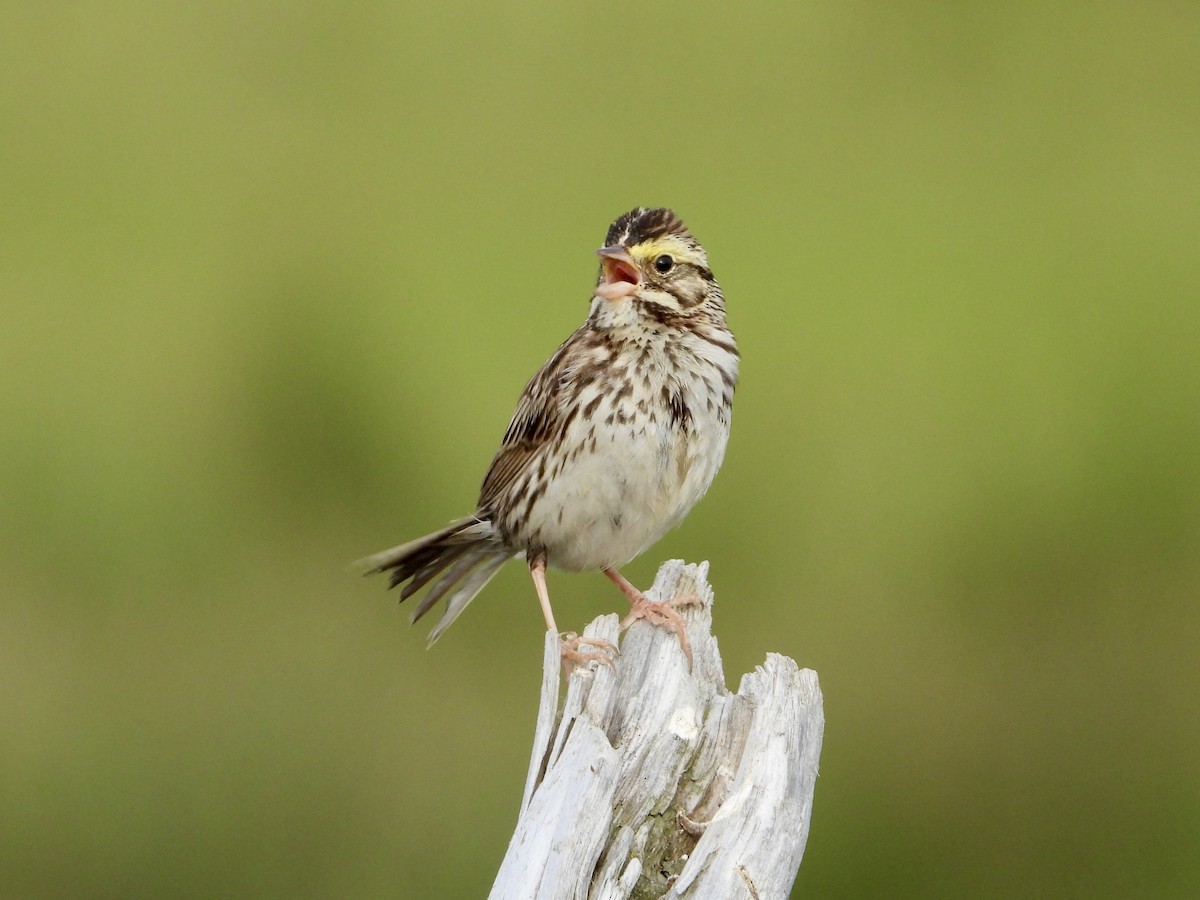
653, 782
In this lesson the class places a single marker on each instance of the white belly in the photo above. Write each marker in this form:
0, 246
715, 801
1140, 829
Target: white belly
628, 488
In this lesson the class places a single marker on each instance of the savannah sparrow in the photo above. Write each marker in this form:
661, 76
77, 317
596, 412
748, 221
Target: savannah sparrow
614, 439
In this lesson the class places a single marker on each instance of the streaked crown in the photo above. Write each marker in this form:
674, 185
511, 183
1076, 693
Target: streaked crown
643, 224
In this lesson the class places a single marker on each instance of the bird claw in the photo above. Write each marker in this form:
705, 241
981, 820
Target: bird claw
664, 615
568, 650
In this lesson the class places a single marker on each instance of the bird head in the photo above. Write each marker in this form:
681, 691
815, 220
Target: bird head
650, 256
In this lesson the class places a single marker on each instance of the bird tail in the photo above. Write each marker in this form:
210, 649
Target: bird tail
459, 559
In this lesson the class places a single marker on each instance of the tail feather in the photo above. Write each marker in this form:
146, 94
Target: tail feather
397, 556
422, 576
455, 573
435, 556
459, 600
459, 560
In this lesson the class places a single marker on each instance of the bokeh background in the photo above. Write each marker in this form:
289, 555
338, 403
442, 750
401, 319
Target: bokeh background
273, 274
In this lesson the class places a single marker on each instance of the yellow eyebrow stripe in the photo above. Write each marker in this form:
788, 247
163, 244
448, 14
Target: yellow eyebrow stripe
669, 245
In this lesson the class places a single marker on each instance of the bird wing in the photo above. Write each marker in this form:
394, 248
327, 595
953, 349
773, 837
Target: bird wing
541, 416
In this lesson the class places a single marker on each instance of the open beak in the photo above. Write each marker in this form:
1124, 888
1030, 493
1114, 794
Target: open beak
621, 275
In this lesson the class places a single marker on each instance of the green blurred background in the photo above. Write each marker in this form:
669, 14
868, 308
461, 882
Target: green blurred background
273, 275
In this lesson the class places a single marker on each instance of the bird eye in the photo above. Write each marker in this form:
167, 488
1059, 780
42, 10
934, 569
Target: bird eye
663, 264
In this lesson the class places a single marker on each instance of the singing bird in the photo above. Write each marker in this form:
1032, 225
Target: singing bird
614, 439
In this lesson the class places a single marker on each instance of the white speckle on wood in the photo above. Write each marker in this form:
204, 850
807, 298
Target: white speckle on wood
653, 782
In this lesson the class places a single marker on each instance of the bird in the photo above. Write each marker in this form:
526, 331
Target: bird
613, 441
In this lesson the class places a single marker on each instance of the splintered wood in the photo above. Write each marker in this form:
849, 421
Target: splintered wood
653, 782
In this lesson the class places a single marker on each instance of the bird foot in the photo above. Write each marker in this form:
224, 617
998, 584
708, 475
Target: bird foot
663, 615
572, 656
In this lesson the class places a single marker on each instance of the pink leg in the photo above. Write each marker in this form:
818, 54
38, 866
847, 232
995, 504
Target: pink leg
537, 570
662, 614
568, 644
